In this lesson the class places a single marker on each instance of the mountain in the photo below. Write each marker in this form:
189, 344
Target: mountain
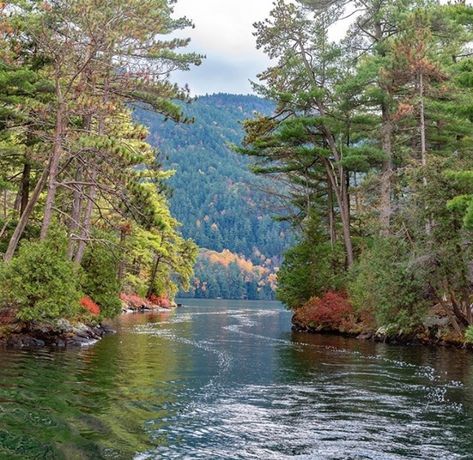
218, 200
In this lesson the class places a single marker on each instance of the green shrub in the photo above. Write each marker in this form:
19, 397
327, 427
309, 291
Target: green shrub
383, 284
311, 268
100, 280
469, 335
40, 282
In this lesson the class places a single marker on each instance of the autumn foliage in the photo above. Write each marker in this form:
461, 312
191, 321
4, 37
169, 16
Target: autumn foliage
160, 301
90, 306
332, 311
134, 300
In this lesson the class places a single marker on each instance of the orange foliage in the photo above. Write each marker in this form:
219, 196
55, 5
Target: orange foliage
227, 257
160, 301
134, 300
90, 306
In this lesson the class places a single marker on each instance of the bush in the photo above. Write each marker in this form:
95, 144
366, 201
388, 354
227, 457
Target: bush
88, 304
40, 283
310, 268
384, 284
332, 311
135, 301
160, 301
100, 279
469, 335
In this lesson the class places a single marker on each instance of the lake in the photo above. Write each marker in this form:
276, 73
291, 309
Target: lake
229, 380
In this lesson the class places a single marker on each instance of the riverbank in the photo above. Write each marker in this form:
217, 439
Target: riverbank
63, 333
60, 334
431, 334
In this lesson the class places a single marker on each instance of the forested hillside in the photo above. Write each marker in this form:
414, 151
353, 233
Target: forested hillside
221, 204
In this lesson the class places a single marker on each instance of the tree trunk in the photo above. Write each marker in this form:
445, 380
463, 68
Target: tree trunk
342, 201
154, 273
331, 217
54, 168
25, 186
87, 222
423, 143
385, 209
121, 264
20, 228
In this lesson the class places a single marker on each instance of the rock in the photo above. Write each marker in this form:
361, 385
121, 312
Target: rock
63, 325
80, 328
24, 341
381, 332
436, 322
107, 329
44, 329
61, 334
365, 336
83, 335
38, 342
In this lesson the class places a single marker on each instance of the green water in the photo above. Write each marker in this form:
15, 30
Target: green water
229, 380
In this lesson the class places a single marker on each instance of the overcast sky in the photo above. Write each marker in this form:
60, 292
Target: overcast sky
223, 32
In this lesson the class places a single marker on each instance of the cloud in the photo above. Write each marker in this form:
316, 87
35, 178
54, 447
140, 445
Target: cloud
220, 75
224, 33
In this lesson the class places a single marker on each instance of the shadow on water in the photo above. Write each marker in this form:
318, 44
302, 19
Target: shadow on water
219, 380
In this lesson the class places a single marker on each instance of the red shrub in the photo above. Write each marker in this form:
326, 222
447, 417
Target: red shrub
90, 306
160, 301
134, 300
332, 311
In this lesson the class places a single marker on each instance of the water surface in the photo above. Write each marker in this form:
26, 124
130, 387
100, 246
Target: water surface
229, 380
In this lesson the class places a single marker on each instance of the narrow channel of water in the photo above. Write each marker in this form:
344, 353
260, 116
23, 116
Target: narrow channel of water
229, 380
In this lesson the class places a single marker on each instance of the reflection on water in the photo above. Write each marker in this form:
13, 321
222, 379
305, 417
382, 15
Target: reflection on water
228, 380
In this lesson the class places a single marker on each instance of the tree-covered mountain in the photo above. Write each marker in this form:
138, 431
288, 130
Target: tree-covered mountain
221, 204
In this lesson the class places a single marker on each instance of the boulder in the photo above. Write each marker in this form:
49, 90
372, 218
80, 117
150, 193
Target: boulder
431, 322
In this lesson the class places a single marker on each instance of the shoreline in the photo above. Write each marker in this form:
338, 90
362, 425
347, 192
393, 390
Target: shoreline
62, 335
413, 339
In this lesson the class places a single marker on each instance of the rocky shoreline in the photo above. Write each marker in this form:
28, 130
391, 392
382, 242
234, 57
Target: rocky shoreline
434, 336
65, 334
61, 334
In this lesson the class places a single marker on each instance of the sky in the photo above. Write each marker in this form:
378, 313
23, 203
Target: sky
223, 32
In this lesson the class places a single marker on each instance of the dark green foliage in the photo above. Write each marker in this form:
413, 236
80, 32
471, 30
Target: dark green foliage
469, 335
100, 280
311, 268
374, 132
385, 283
70, 153
221, 204
40, 283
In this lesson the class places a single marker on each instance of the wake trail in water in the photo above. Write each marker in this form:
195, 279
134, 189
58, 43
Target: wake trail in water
436, 391
359, 408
